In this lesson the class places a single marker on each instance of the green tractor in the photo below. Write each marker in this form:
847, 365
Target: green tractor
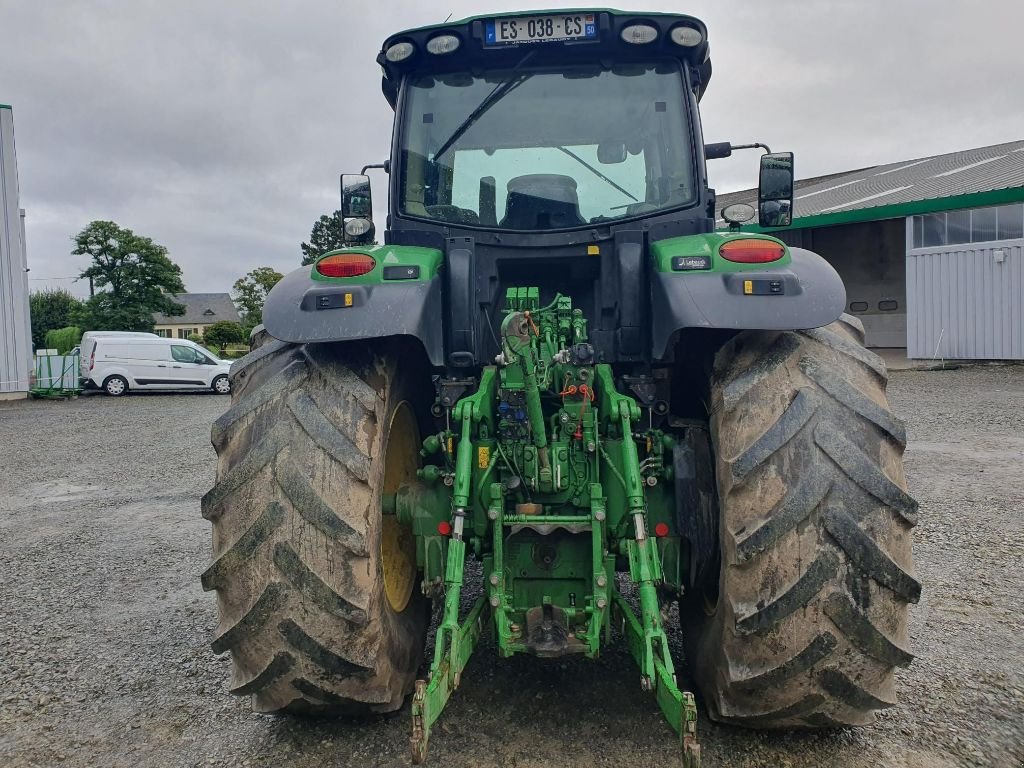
556, 367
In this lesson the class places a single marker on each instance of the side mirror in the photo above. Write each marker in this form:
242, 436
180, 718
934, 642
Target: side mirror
775, 190
610, 152
356, 208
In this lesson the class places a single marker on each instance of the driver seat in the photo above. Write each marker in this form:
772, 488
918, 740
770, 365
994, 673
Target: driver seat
542, 201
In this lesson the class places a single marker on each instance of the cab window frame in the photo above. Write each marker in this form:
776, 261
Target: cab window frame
692, 127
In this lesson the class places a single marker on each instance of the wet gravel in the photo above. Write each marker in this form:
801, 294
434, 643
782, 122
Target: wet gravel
104, 630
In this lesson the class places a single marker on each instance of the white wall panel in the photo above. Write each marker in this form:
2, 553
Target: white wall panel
966, 301
15, 333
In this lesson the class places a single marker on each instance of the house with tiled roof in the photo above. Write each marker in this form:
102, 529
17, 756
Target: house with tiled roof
201, 311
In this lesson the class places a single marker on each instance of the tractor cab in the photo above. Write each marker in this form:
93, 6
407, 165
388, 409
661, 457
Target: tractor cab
545, 149
544, 125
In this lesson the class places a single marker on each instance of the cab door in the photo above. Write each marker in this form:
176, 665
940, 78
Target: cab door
188, 367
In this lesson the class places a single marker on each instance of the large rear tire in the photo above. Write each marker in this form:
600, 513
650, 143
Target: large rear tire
308, 605
808, 618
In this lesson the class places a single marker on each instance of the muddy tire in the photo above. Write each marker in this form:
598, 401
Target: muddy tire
297, 528
808, 618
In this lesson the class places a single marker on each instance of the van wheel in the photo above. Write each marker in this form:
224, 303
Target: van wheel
115, 386
222, 385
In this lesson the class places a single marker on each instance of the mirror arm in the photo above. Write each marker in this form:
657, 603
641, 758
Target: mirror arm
755, 145
725, 149
385, 166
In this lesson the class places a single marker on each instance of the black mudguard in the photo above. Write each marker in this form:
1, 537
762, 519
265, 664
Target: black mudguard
812, 295
302, 310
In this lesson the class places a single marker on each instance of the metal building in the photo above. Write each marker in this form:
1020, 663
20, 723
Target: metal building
931, 249
15, 331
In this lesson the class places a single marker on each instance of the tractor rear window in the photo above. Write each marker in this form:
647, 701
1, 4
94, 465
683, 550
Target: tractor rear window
541, 150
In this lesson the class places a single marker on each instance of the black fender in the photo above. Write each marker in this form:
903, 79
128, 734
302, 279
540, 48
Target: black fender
811, 294
300, 309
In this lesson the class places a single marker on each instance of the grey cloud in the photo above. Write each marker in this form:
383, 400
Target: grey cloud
219, 129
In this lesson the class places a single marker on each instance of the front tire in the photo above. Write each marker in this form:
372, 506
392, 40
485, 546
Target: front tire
297, 532
808, 618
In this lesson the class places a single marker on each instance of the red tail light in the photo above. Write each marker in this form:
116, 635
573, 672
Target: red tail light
92, 359
345, 265
751, 251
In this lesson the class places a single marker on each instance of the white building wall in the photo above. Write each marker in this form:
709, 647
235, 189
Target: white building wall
15, 331
965, 301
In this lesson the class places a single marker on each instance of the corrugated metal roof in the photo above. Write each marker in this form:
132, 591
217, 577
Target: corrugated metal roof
201, 308
971, 171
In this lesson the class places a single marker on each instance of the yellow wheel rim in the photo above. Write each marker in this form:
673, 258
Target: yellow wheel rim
397, 543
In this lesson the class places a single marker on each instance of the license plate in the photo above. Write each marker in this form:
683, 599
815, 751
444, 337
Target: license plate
541, 29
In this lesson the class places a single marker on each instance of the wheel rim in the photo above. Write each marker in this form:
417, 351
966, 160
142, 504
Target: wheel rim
222, 385
397, 543
115, 386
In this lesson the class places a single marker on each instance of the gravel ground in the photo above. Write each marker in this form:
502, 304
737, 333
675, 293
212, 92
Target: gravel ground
104, 631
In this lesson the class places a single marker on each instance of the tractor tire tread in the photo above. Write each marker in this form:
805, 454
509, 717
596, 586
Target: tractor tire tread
295, 567
815, 521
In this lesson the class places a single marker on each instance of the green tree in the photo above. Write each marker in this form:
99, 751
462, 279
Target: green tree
133, 276
224, 332
63, 339
327, 235
250, 293
50, 310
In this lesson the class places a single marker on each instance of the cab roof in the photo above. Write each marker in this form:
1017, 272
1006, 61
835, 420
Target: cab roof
475, 51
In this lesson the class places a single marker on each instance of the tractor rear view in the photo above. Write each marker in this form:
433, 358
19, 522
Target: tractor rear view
555, 366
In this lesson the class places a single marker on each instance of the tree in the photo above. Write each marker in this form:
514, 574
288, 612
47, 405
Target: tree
250, 293
327, 235
133, 276
63, 339
51, 310
224, 332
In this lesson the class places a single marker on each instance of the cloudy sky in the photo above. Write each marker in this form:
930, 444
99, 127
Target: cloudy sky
219, 128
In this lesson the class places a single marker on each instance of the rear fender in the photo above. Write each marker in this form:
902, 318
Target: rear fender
800, 290
400, 296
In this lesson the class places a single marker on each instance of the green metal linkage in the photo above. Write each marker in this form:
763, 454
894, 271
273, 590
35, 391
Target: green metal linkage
430, 698
454, 642
517, 342
494, 571
547, 519
463, 465
646, 636
521, 474
603, 573
679, 707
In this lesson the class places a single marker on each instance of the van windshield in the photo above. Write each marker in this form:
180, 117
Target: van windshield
554, 148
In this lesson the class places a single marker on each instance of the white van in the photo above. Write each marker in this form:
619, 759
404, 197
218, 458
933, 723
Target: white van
88, 344
118, 364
